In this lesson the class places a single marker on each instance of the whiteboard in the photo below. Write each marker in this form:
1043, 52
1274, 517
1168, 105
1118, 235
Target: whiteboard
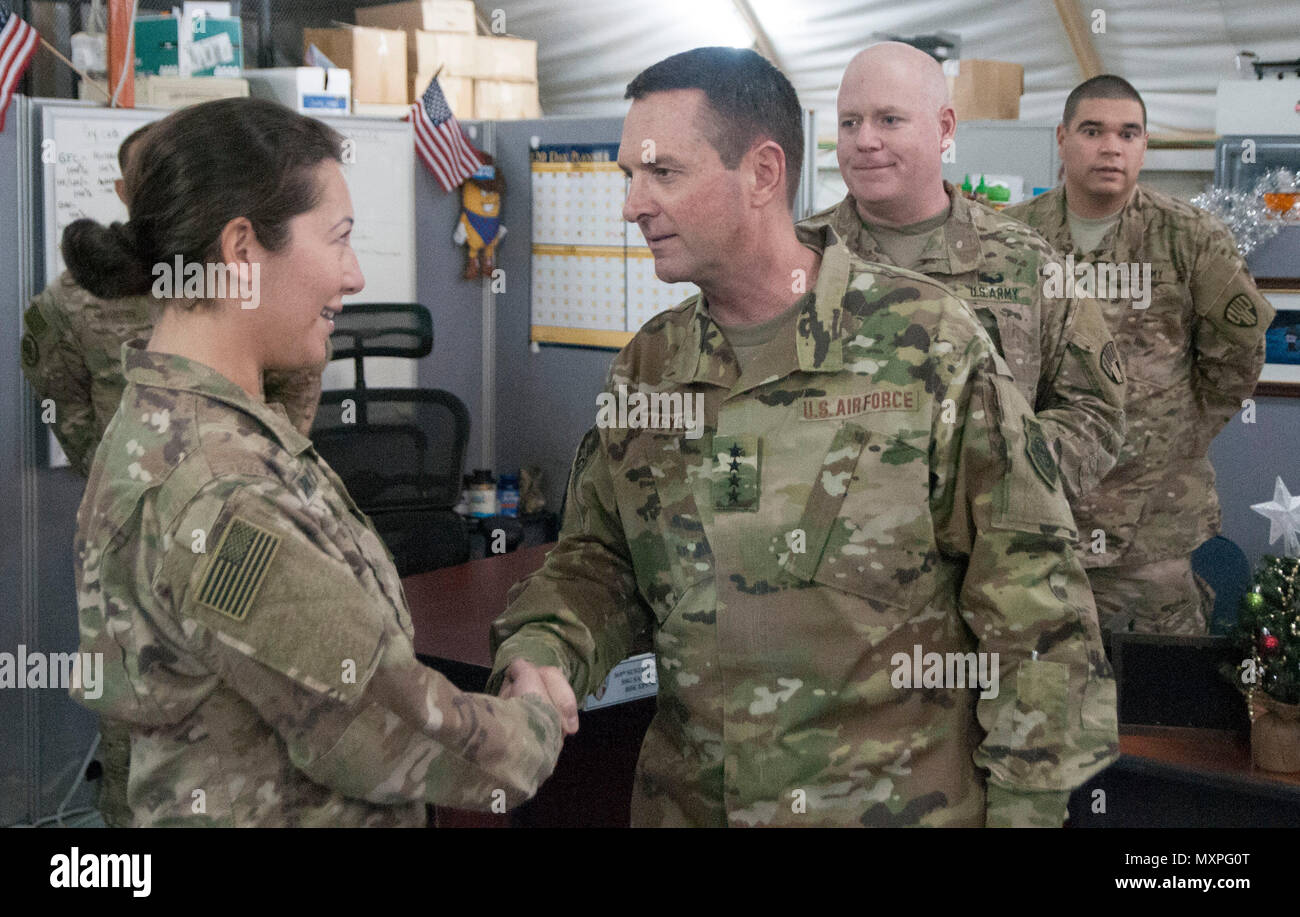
78, 156
80, 166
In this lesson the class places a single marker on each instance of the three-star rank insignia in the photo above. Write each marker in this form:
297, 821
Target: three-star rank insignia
1040, 454
735, 478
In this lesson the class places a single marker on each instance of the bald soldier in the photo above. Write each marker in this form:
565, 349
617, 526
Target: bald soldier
866, 493
895, 120
1192, 340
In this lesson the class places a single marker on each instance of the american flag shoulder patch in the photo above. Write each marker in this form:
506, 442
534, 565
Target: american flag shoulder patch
238, 568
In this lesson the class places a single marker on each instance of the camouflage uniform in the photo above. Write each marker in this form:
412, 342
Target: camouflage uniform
255, 634
1059, 350
72, 354
1192, 356
871, 482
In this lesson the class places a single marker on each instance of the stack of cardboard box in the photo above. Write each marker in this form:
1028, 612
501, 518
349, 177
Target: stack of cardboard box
483, 77
194, 57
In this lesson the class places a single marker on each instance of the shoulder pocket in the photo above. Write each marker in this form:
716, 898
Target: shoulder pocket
1030, 497
265, 591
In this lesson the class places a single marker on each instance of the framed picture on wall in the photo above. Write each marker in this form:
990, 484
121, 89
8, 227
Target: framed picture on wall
1281, 374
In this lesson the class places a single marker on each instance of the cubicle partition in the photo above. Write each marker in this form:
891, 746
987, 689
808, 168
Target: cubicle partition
545, 398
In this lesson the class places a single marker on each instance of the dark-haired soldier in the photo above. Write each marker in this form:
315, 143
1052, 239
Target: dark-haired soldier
1192, 346
72, 355
867, 486
254, 631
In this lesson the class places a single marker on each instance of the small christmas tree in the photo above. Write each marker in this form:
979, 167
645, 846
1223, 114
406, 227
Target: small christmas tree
1268, 631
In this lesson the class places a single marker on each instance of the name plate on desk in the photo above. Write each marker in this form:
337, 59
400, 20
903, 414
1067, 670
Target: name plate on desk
632, 679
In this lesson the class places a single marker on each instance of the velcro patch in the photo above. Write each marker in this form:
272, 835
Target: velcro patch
1040, 454
876, 401
237, 569
736, 472
36, 323
1000, 292
1110, 363
1240, 311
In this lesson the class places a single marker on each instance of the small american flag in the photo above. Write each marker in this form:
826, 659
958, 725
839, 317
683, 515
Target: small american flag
17, 45
235, 573
440, 141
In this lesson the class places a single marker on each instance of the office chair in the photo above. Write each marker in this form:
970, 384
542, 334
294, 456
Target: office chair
381, 330
399, 451
1224, 566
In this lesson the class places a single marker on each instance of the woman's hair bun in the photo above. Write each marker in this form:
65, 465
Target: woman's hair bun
104, 259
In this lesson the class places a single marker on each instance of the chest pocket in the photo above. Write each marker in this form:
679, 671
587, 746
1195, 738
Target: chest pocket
1014, 330
660, 517
1155, 341
866, 525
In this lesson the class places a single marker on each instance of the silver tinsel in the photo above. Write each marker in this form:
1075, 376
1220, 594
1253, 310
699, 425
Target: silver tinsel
1244, 213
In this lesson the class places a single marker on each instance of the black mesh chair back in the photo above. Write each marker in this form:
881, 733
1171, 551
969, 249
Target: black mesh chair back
381, 330
400, 452
421, 540
395, 448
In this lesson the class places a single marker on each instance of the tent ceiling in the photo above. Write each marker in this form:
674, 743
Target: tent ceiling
1174, 51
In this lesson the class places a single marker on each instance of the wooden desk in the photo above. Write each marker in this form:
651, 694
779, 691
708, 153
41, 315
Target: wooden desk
1165, 776
453, 608
1171, 777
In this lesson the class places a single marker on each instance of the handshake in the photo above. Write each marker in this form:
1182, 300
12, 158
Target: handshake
548, 683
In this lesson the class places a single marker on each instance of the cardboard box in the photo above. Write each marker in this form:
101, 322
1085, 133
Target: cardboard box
376, 110
457, 55
476, 56
512, 59
458, 90
188, 46
983, 89
180, 91
308, 90
376, 59
498, 100
432, 15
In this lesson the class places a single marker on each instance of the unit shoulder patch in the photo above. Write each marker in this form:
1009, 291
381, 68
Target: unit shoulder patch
1040, 454
1240, 311
31, 351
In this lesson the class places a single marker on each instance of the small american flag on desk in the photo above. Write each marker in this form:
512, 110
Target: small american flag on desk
440, 141
17, 45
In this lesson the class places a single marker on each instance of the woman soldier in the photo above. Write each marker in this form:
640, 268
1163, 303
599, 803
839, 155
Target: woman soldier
253, 629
